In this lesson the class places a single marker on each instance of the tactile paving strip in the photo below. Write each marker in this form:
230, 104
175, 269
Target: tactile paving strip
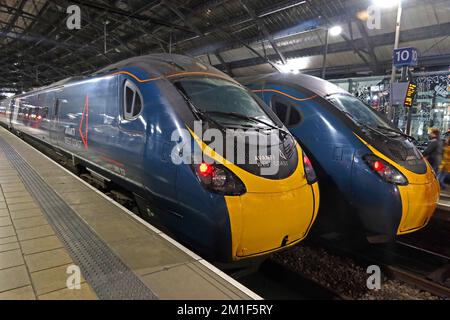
108, 276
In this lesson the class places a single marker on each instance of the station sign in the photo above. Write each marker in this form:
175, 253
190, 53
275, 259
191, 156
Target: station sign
405, 57
410, 94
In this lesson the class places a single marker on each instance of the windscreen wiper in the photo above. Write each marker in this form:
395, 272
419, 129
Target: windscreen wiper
199, 113
378, 127
396, 131
249, 118
365, 126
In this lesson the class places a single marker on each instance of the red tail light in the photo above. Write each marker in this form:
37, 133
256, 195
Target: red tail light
310, 174
219, 179
378, 166
205, 169
385, 170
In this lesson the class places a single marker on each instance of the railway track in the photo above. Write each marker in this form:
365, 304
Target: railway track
275, 281
423, 269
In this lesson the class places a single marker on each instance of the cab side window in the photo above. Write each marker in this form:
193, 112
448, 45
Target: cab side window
132, 101
286, 111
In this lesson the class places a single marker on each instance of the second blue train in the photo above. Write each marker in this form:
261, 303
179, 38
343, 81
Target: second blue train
375, 184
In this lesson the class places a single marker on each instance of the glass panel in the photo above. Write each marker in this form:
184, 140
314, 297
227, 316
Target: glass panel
294, 117
221, 96
280, 110
358, 111
137, 105
129, 94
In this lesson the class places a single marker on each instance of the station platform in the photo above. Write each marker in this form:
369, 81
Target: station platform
52, 222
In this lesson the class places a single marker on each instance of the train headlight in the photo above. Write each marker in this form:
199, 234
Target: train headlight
310, 174
217, 178
385, 170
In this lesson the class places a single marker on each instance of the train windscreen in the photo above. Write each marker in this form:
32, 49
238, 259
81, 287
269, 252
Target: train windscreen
360, 113
225, 101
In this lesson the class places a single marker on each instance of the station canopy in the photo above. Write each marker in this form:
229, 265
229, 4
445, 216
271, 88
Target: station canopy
240, 37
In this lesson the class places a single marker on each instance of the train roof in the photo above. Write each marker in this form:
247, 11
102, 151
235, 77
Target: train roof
156, 65
161, 64
319, 86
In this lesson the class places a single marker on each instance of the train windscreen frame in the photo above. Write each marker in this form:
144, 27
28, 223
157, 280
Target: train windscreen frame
359, 112
224, 100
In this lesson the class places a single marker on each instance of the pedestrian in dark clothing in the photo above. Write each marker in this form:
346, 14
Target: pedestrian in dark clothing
433, 153
444, 169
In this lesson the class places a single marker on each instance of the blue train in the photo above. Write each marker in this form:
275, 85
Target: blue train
374, 183
127, 126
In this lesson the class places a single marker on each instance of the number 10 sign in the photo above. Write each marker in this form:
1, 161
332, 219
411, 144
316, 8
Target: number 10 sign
405, 57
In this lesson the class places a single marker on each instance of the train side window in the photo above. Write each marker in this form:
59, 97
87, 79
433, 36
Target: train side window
286, 111
281, 110
132, 100
137, 105
294, 117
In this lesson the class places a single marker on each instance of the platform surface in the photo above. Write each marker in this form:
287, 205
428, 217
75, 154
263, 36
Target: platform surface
443, 207
37, 247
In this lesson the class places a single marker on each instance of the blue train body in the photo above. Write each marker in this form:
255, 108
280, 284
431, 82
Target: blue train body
354, 199
119, 123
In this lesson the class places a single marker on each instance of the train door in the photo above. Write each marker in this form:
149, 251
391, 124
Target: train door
9, 112
53, 116
132, 130
15, 112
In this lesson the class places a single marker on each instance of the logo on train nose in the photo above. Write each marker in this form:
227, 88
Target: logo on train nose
266, 160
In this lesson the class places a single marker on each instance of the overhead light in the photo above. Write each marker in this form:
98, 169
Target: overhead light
386, 3
335, 31
294, 65
122, 5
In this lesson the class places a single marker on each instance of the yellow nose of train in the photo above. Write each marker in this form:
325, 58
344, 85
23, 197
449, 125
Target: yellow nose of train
272, 214
418, 198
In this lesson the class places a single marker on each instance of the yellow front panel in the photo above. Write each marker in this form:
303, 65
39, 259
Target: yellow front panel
419, 198
260, 222
418, 204
269, 210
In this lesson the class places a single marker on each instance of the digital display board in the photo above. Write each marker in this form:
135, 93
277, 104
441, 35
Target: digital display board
410, 94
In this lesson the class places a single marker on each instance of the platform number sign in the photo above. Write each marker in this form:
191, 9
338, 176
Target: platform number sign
405, 57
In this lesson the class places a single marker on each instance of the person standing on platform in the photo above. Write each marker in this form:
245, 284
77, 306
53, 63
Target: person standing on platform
444, 169
433, 153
